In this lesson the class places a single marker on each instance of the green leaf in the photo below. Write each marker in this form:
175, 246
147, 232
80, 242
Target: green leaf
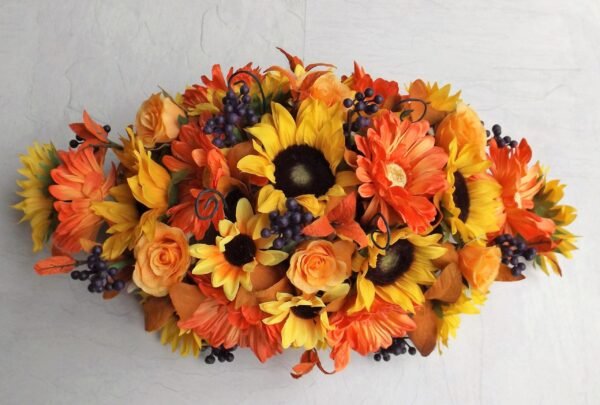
176, 178
182, 120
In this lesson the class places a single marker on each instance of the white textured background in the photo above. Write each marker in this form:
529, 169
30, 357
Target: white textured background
532, 66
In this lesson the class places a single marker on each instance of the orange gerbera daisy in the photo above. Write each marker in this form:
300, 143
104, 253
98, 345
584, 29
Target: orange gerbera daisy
220, 323
79, 182
520, 183
400, 169
366, 331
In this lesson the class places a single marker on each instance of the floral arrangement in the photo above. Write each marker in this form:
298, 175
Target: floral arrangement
278, 208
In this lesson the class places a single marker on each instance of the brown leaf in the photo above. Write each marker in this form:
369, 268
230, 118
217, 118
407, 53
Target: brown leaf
157, 311
186, 298
449, 257
504, 274
425, 336
448, 287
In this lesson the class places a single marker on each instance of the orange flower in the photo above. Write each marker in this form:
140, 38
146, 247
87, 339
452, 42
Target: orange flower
520, 183
463, 125
157, 120
400, 169
88, 130
360, 80
220, 323
479, 265
79, 182
162, 261
340, 220
329, 89
366, 331
320, 265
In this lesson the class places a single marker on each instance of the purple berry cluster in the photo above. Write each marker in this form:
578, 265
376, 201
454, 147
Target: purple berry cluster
221, 354
287, 226
399, 346
237, 114
513, 248
99, 274
74, 143
502, 141
366, 103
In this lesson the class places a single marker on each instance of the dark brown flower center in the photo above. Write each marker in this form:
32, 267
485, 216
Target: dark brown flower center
306, 311
461, 196
240, 250
302, 169
393, 265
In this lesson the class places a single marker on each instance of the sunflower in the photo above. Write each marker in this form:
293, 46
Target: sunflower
37, 202
439, 100
187, 341
472, 203
397, 273
299, 158
305, 320
238, 250
449, 322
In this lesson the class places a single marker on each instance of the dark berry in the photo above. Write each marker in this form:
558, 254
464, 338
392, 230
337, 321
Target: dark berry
348, 103
369, 92
97, 250
210, 359
106, 128
73, 143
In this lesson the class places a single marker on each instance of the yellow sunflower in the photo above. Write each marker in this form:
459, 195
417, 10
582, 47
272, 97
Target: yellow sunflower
449, 323
546, 205
299, 158
37, 203
238, 250
305, 318
187, 341
439, 100
472, 202
397, 273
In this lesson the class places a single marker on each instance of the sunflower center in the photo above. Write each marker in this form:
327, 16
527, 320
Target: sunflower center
240, 250
397, 260
302, 169
461, 196
306, 311
396, 174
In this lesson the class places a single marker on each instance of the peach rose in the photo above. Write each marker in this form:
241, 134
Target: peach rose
320, 265
479, 265
157, 120
330, 90
464, 125
161, 262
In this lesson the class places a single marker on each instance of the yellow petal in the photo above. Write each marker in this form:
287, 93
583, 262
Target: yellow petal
270, 199
284, 122
270, 257
258, 166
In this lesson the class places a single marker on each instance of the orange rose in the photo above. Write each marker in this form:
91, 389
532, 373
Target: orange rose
320, 265
161, 262
157, 120
330, 90
479, 265
464, 125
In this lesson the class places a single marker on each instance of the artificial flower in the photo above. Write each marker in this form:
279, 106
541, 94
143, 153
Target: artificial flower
463, 125
89, 131
439, 101
161, 261
479, 265
238, 249
400, 170
157, 120
37, 203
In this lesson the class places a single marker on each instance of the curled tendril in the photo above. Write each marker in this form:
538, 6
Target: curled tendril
388, 232
212, 202
418, 100
256, 79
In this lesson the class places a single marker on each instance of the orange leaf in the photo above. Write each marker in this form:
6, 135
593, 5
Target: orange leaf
186, 298
448, 287
504, 274
425, 336
54, 265
157, 311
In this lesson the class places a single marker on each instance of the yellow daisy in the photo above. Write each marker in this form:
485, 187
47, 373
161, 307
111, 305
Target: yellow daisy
305, 318
37, 204
238, 250
449, 323
472, 202
397, 273
299, 158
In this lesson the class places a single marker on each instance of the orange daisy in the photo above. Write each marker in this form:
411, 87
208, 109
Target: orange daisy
366, 331
520, 183
79, 182
400, 169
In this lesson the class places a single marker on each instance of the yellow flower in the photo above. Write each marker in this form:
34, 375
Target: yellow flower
472, 202
299, 158
465, 126
239, 249
150, 187
450, 321
123, 218
397, 273
127, 155
187, 341
439, 101
305, 318
37, 204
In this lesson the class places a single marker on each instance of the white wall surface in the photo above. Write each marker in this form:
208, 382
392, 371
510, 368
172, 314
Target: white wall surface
533, 66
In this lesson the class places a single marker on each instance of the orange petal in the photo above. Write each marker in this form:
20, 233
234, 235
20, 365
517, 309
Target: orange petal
157, 312
319, 228
448, 286
186, 298
425, 336
54, 265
